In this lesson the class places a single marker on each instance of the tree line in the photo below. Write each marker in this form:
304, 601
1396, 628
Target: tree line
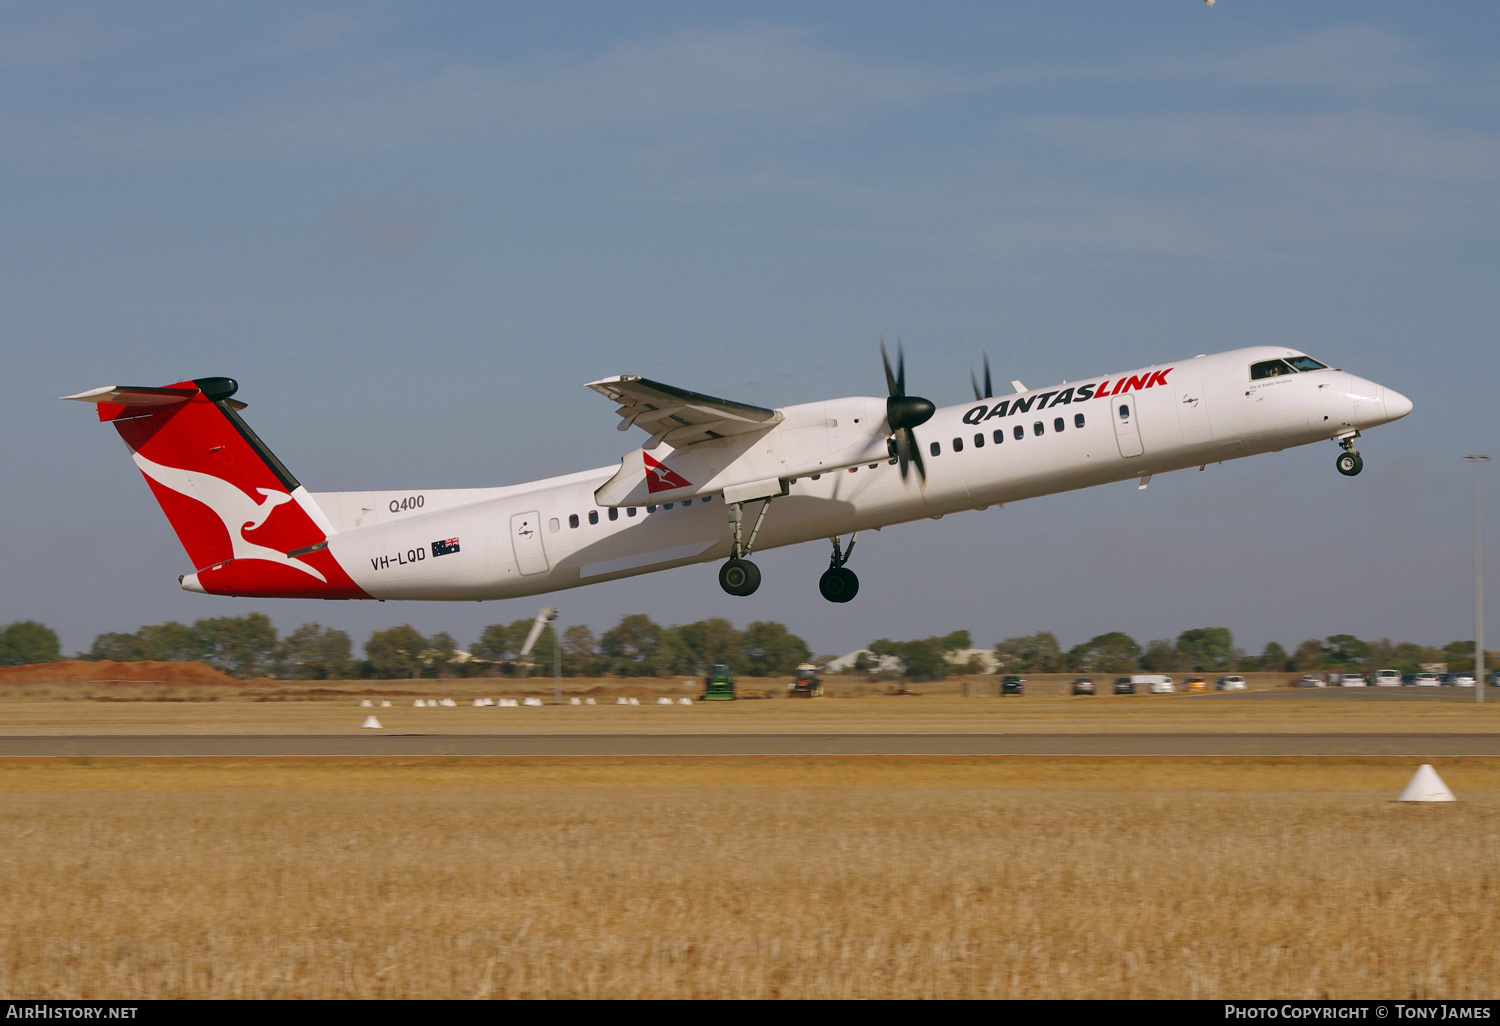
1199, 650
249, 646
1212, 650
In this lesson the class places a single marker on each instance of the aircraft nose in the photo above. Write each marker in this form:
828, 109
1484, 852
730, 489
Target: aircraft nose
1396, 405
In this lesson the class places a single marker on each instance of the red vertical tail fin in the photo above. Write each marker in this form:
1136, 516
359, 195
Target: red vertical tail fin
247, 525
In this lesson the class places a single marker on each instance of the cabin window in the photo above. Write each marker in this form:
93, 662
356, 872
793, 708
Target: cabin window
1057, 424
573, 520
814, 477
979, 440
553, 525
874, 465
1078, 420
1038, 428
1124, 411
999, 435
667, 506
630, 511
1270, 369
614, 513
705, 498
689, 502
593, 516
650, 509
958, 445
936, 448
1019, 432
1305, 363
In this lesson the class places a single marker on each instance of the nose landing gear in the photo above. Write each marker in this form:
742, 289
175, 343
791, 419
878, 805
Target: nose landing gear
838, 583
1349, 462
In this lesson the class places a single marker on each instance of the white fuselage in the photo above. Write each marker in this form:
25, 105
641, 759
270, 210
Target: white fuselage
553, 534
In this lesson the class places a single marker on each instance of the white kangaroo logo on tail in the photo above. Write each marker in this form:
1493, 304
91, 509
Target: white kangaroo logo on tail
237, 510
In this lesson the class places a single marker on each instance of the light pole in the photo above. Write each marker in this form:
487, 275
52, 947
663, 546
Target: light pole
1478, 460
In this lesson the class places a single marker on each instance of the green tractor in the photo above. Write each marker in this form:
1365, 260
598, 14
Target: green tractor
720, 685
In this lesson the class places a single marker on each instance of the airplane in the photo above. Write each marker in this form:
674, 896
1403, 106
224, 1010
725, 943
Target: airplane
716, 480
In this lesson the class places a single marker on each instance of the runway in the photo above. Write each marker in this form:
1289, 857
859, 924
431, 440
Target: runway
240, 746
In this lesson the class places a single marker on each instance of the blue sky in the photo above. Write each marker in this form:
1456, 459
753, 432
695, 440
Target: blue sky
413, 231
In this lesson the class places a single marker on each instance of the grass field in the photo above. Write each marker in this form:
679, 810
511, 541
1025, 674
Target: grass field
726, 878
1252, 713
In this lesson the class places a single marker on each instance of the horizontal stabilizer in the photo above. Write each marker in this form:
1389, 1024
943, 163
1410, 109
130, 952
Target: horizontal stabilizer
145, 395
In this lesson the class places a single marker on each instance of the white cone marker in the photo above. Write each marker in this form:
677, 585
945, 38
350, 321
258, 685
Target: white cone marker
371, 722
589, 701
684, 701
1426, 786
664, 701
574, 701
385, 705
622, 701
365, 703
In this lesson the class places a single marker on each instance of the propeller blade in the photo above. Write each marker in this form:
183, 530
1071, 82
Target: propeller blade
890, 379
989, 389
900, 368
916, 455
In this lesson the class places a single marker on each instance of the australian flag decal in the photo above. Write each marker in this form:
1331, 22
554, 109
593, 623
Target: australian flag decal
445, 548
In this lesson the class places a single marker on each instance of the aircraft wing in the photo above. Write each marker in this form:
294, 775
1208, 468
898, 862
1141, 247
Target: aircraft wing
677, 416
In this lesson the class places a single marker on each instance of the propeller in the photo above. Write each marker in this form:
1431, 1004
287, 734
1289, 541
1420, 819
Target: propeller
989, 390
903, 413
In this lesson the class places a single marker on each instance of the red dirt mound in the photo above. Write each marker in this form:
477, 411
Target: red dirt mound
105, 671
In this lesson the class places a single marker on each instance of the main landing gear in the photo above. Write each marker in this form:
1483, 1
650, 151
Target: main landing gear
738, 575
1349, 461
838, 583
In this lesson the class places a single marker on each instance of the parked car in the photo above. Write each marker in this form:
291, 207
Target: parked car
1408, 679
1231, 683
1124, 686
1386, 679
1352, 680
1460, 680
1310, 680
1193, 685
1495, 679
1083, 686
1428, 680
1155, 683
1011, 684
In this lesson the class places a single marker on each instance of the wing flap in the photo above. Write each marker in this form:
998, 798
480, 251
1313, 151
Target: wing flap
677, 416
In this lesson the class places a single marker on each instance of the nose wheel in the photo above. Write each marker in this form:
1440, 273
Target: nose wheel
1349, 461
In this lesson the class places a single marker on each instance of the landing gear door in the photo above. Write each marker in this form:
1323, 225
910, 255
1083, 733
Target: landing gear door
1127, 431
526, 539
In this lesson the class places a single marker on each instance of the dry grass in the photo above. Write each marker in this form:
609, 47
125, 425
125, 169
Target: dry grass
792, 878
1293, 713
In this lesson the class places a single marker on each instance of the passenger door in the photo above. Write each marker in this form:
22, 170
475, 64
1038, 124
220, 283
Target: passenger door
526, 540
1192, 413
1127, 432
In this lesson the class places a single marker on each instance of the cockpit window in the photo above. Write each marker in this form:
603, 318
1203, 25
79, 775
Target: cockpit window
1305, 363
1269, 369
